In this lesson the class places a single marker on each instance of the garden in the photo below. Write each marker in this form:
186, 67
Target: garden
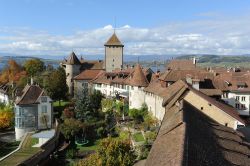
91, 124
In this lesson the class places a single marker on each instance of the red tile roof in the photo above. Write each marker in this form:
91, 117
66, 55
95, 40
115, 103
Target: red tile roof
87, 74
181, 64
138, 78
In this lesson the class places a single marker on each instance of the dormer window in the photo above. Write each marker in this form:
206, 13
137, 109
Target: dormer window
43, 99
241, 85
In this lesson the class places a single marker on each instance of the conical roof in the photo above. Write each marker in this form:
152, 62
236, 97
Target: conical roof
138, 78
113, 41
72, 59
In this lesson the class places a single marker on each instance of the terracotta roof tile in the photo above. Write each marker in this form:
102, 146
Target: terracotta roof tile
87, 75
138, 77
181, 64
184, 137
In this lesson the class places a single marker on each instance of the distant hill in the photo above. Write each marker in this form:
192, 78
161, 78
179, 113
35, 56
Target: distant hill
149, 60
217, 60
21, 59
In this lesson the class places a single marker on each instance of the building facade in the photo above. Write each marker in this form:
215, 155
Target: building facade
33, 111
113, 54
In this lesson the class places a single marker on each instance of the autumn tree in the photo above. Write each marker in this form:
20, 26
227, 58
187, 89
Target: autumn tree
34, 66
111, 151
6, 116
11, 70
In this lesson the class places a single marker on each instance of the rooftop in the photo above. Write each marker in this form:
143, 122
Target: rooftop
184, 137
113, 41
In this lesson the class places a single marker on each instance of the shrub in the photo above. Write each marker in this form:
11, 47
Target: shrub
100, 132
70, 154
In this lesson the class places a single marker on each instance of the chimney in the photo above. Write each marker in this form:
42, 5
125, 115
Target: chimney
31, 81
194, 60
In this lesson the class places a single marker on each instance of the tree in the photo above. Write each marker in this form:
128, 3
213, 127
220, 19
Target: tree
10, 72
83, 107
6, 116
107, 104
91, 160
111, 151
88, 106
71, 127
96, 99
34, 66
56, 86
139, 114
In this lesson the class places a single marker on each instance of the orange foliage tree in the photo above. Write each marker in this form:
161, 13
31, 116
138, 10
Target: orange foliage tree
6, 117
10, 72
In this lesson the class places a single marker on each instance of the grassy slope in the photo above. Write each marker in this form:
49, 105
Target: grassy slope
24, 153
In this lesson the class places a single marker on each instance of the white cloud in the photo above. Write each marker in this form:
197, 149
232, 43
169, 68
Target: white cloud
207, 36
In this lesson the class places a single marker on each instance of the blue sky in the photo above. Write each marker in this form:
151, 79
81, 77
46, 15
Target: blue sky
145, 26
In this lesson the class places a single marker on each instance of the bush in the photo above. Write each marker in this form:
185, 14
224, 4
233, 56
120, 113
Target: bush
143, 151
100, 132
70, 154
150, 135
6, 116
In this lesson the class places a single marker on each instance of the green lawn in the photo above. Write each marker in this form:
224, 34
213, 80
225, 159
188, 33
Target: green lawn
24, 153
90, 146
7, 148
138, 137
63, 103
124, 135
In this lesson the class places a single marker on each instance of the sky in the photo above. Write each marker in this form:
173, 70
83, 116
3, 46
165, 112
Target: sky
145, 27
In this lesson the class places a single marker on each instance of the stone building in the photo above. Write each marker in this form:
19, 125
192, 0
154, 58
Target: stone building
113, 54
73, 67
113, 60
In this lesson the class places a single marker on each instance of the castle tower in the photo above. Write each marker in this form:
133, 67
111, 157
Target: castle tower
72, 68
113, 53
137, 82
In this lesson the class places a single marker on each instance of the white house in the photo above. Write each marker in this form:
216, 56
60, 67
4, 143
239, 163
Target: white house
33, 111
4, 98
236, 90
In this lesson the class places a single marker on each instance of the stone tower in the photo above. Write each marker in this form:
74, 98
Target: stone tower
113, 53
72, 67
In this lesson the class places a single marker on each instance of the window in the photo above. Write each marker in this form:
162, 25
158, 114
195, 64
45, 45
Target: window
225, 95
132, 88
237, 105
243, 98
113, 60
44, 99
44, 109
85, 84
21, 111
226, 124
243, 106
201, 108
237, 98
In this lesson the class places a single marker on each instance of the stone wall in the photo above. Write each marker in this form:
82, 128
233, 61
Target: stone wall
211, 110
